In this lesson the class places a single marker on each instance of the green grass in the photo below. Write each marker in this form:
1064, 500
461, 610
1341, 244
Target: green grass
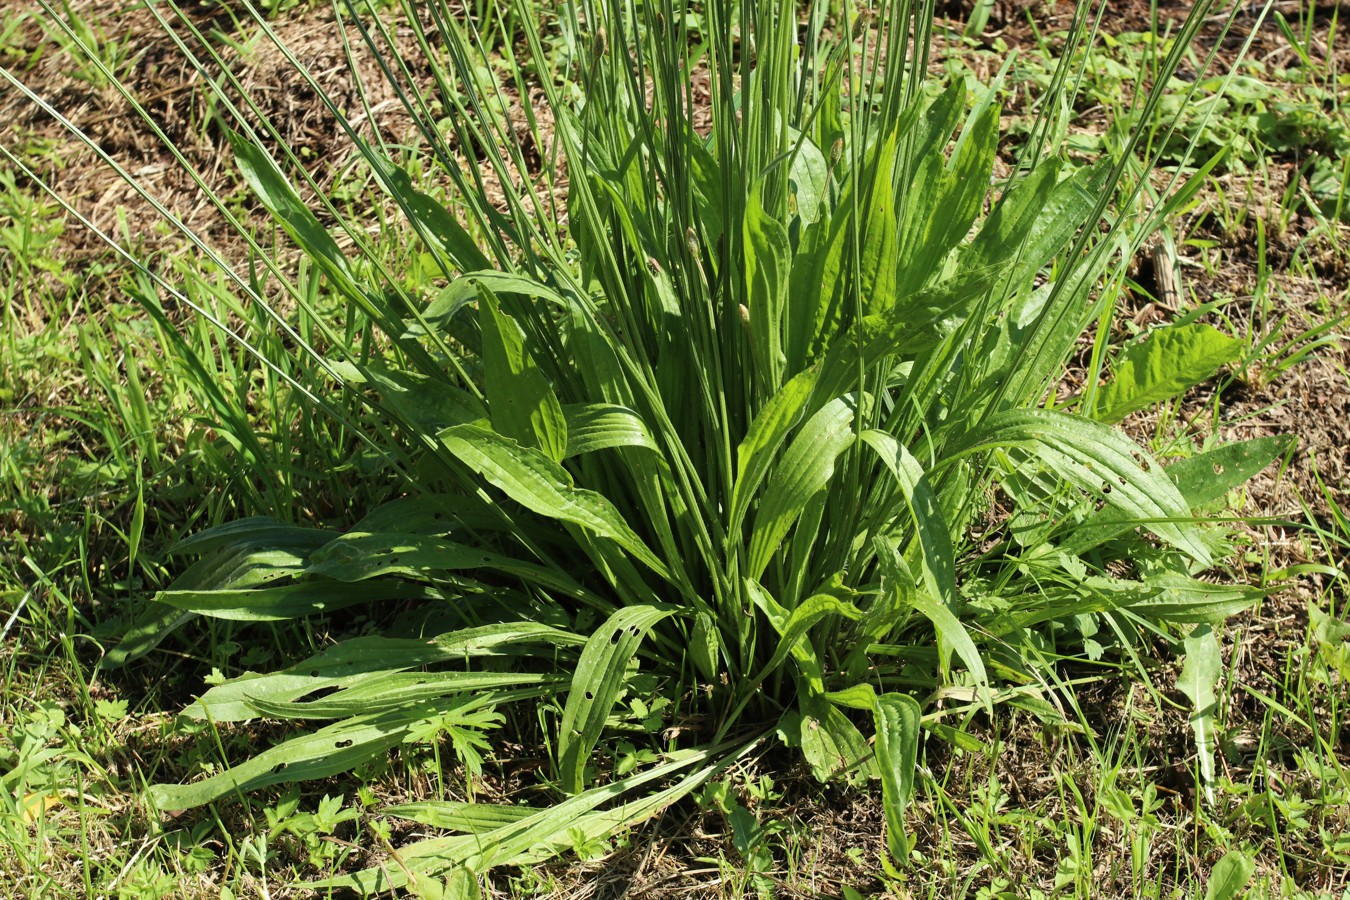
129, 427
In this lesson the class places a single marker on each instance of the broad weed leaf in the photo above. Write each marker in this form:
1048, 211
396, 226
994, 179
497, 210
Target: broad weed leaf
437, 692
936, 555
1229, 876
936, 213
271, 186
457, 816
1180, 598
793, 626
833, 745
369, 659
424, 403
1167, 363
277, 604
603, 426
464, 291
808, 180
246, 555
951, 633
880, 241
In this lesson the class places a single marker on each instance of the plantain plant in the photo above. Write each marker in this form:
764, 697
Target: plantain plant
735, 387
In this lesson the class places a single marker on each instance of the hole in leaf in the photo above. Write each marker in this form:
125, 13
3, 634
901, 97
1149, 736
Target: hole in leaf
1106, 487
278, 768
614, 638
1218, 469
343, 743
590, 695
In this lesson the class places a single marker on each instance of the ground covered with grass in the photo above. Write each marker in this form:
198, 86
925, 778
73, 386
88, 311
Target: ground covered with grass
128, 424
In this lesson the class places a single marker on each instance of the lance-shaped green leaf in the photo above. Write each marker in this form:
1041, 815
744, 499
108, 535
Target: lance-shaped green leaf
250, 554
813, 294
545, 833
793, 627
600, 674
1164, 365
434, 514
808, 178
935, 544
756, 453
361, 557
1099, 460
406, 690
256, 531
423, 403
522, 403
945, 199
440, 230
276, 193
1203, 480
880, 239
768, 261
463, 291
289, 601
832, 745
328, 751
704, 645
602, 426
899, 719
1033, 221
805, 469
952, 635
1199, 678
1180, 598
542, 486
1206, 478
460, 817
359, 659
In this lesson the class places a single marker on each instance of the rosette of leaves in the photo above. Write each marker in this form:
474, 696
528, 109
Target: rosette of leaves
731, 393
